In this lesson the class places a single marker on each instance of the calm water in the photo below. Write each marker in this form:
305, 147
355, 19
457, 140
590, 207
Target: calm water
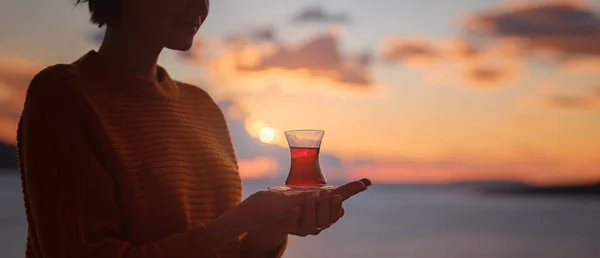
392, 221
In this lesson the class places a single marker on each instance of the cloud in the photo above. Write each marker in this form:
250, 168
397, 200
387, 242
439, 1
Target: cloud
586, 100
258, 167
204, 45
561, 27
581, 66
8, 129
319, 56
455, 60
484, 76
15, 74
317, 14
500, 40
262, 34
250, 35
563, 101
412, 50
446, 172
255, 62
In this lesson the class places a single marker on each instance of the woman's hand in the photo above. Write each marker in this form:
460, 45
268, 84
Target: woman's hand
257, 211
309, 217
323, 210
271, 236
269, 207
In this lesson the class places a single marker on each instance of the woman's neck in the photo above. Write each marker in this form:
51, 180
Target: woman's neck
130, 54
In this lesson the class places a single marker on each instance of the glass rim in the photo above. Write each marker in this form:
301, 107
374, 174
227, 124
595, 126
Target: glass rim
304, 131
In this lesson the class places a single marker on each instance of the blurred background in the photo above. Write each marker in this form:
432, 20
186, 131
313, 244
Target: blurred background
478, 121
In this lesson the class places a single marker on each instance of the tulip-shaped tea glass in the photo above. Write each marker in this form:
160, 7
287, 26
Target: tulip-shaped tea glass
305, 170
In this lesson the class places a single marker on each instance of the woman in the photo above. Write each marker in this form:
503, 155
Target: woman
119, 160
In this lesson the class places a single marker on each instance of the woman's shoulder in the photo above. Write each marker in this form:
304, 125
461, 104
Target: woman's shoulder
56, 84
54, 79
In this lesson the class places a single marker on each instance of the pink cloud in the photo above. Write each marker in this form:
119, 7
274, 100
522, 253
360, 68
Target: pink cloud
581, 66
534, 171
320, 56
258, 167
15, 74
486, 76
586, 100
255, 62
8, 129
409, 50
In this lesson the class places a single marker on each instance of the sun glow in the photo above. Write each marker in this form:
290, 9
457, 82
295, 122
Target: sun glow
266, 134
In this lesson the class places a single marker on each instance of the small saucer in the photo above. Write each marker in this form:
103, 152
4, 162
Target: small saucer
301, 189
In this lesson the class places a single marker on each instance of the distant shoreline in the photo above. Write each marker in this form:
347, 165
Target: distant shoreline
570, 190
8, 157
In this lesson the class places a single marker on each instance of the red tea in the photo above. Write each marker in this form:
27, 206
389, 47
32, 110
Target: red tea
305, 169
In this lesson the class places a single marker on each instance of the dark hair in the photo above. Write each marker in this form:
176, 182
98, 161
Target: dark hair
103, 12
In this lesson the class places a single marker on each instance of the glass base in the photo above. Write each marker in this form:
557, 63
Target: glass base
301, 189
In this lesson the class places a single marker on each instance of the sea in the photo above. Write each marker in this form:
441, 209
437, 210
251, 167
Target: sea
406, 221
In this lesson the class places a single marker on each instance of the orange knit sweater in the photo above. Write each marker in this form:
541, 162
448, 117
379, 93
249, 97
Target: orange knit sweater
114, 166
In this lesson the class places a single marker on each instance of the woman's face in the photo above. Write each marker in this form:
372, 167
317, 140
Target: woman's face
168, 23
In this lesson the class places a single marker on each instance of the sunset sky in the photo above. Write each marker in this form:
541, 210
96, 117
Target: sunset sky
407, 91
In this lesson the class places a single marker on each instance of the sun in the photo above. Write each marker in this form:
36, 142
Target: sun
266, 134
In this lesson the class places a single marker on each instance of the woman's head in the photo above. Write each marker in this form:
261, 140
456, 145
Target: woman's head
168, 23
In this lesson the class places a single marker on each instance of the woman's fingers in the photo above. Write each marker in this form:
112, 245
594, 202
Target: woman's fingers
350, 189
335, 212
324, 209
309, 223
292, 222
336, 209
297, 199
